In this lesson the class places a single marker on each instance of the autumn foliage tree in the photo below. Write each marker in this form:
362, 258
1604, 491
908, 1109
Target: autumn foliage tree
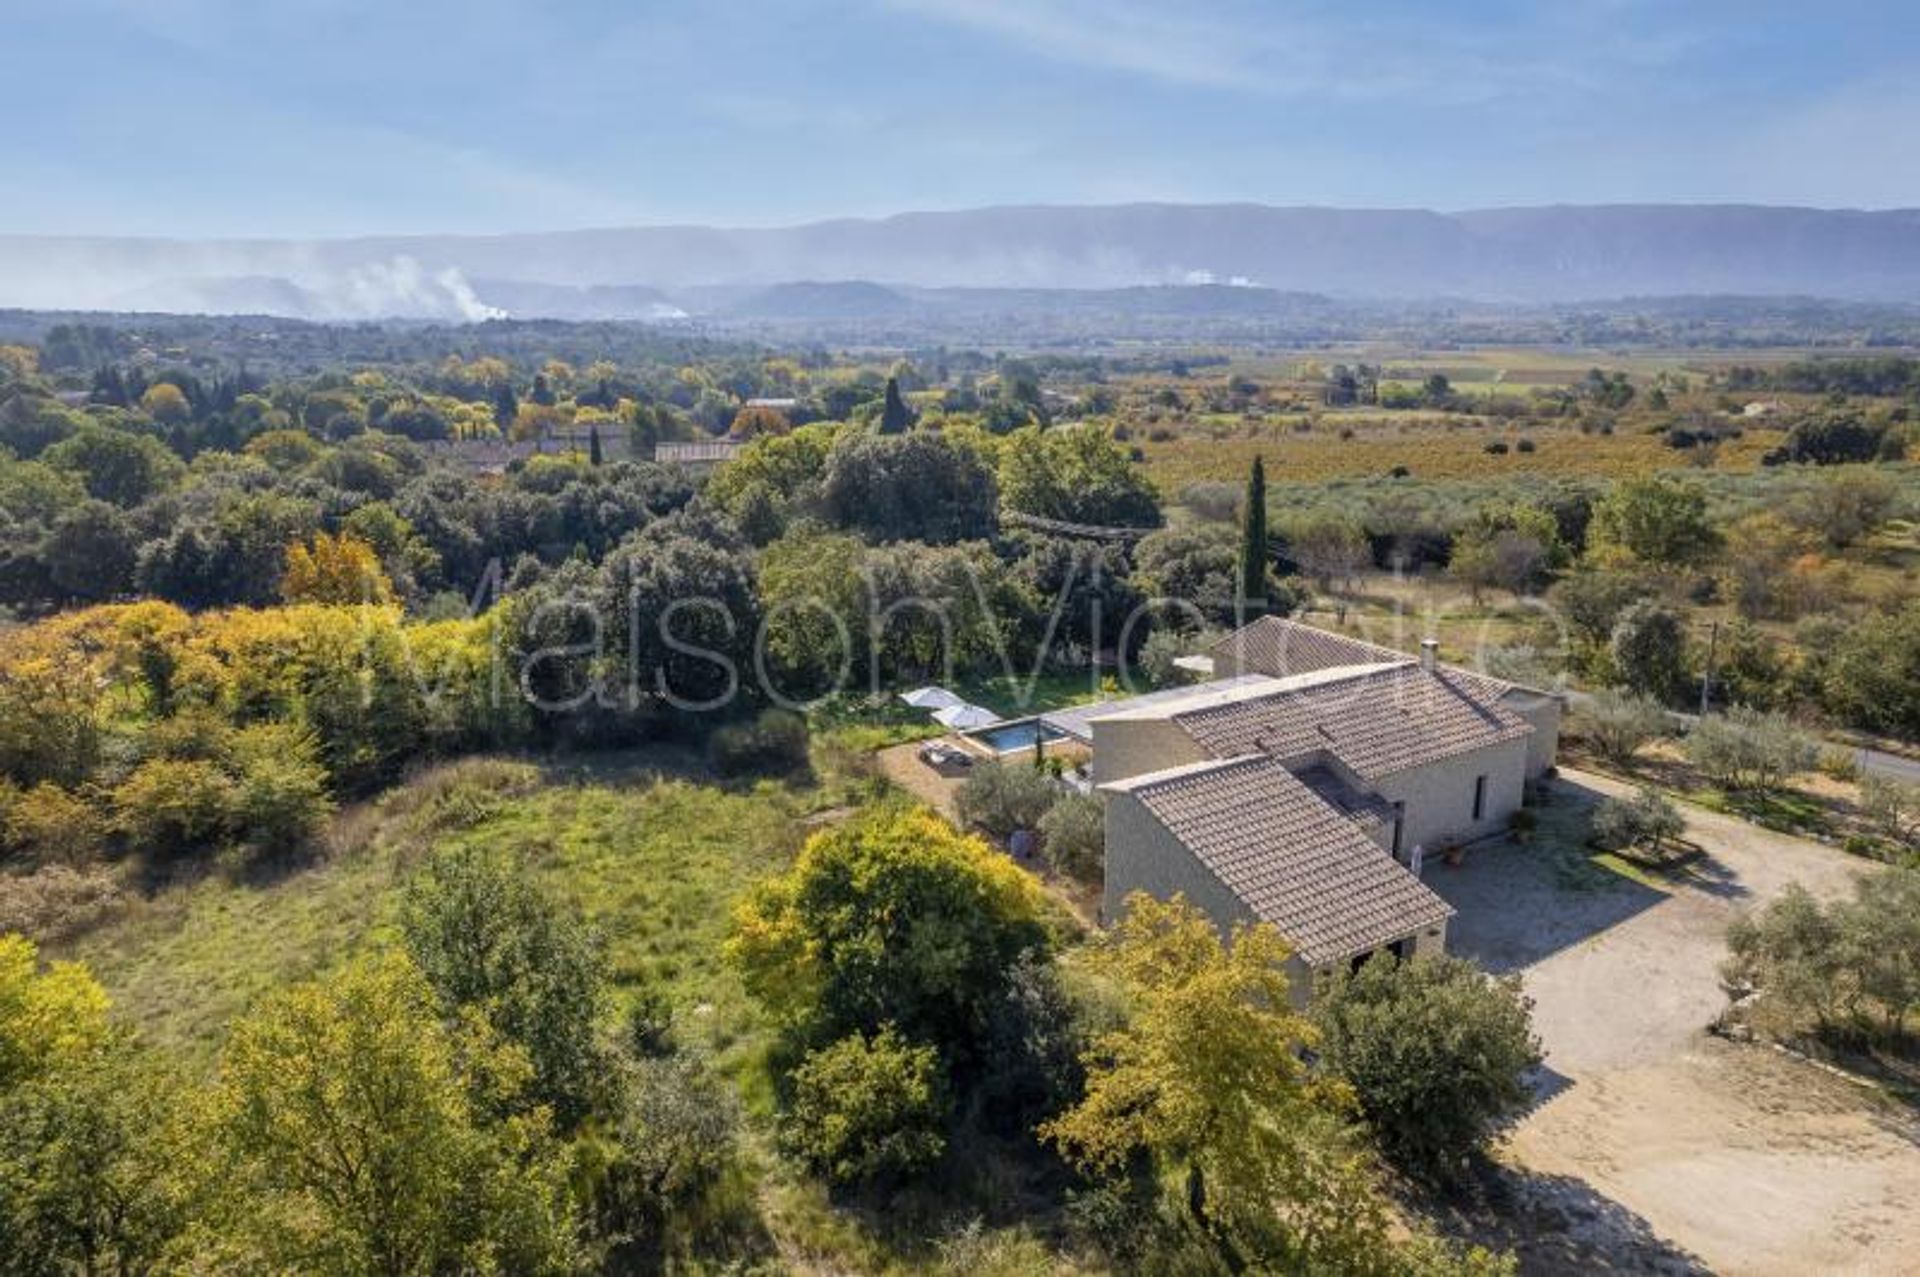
338, 569
1207, 1080
756, 421
94, 1173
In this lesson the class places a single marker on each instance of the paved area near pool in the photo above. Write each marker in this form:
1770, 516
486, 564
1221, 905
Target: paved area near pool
901, 764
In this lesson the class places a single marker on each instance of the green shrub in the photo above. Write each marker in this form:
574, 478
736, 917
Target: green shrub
973, 1251
1001, 797
675, 1144
51, 825
1838, 764
1648, 647
1436, 1051
170, 805
775, 743
279, 786
868, 1111
488, 940
1073, 835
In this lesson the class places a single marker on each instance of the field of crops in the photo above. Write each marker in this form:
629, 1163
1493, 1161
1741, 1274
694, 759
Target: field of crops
1428, 451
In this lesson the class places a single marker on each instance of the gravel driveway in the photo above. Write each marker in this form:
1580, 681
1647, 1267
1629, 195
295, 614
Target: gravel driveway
1658, 1147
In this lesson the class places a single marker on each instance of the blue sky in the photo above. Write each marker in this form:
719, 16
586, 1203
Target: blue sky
327, 117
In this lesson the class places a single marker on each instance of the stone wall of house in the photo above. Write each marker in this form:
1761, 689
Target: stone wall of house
1132, 747
1142, 855
1543, 713
1439, 796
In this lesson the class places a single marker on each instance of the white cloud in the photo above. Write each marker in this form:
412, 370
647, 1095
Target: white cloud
1266, 50
1118, 36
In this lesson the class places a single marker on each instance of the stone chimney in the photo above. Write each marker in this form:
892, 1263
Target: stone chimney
1429, 653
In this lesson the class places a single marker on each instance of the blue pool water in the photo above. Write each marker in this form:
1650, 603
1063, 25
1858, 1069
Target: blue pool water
1014, 736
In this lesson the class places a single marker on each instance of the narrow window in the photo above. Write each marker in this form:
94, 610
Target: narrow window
1479, 797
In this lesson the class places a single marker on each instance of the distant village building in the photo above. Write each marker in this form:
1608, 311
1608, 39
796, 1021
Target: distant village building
697, 454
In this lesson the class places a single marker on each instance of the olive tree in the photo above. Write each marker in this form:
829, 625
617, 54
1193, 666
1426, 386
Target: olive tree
1619, 724
1747, 749
1003, 797
1893, 808
1073, 834
1648, 820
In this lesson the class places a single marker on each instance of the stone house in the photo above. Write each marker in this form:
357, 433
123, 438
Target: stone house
1310, 786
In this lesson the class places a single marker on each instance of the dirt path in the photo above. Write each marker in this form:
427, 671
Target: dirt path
1738, 1158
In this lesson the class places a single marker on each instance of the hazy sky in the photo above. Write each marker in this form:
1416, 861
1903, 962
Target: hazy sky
311, 117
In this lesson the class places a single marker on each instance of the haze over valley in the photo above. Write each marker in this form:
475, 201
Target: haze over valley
1561, 254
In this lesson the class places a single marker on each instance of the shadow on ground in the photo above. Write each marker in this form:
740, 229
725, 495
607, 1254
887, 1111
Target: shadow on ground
1558, 1224
1514, 906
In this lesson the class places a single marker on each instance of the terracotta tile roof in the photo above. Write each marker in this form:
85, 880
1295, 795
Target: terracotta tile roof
1278, 647
1379, 721
1364, 807
1295, 861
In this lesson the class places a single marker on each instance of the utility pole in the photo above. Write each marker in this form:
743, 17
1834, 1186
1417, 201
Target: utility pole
1706, 680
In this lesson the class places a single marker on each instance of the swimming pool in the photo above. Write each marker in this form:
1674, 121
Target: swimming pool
1010, 738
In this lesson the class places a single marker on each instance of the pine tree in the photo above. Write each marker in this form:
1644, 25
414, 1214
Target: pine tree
594, 456
894, 417
506, 407
1253, 546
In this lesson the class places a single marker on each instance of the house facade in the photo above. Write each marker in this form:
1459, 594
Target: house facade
1309, 786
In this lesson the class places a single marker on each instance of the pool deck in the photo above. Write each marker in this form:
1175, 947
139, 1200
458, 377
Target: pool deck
901, 764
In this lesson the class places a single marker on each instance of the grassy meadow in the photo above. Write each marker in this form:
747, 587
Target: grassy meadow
655, 861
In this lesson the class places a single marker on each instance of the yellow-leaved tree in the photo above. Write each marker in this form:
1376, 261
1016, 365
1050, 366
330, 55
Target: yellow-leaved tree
339, 569
99, 1161
166, 403
47, 1018
1206, 1080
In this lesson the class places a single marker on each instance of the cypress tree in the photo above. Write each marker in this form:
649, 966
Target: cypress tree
894, 417
1253, 546
593, 446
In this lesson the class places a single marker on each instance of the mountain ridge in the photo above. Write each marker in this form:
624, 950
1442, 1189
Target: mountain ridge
1542, 253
